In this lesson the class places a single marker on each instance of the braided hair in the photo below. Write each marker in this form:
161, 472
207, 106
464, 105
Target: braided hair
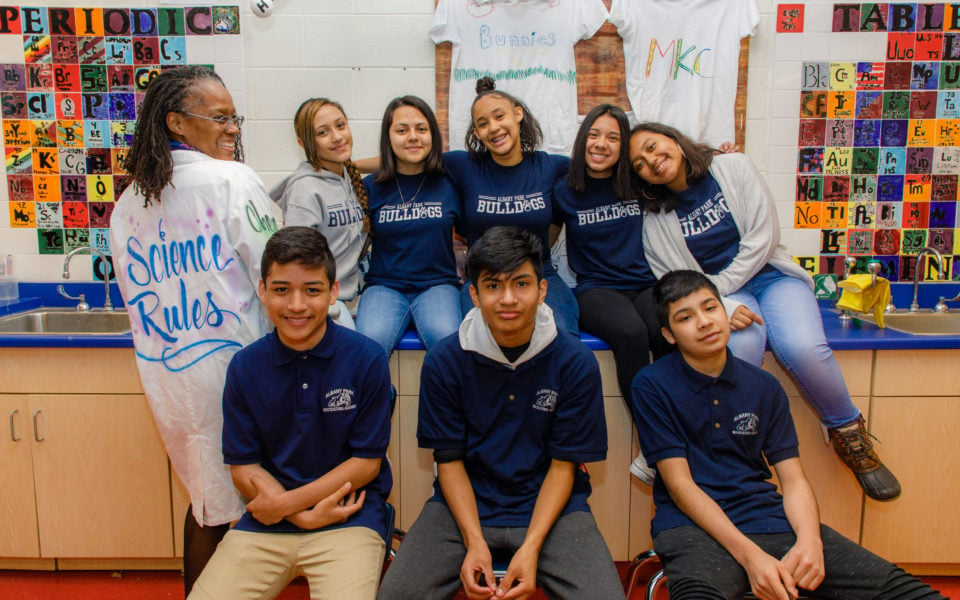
303, 126
530, 133
149, 162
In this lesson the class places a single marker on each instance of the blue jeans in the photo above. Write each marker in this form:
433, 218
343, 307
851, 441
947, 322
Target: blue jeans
384, 314
795, 332
560, 299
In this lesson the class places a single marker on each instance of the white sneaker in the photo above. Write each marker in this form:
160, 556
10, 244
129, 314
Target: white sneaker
641, 470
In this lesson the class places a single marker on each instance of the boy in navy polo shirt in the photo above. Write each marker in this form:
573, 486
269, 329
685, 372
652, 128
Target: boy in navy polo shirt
711, 423
510, 407
306, 413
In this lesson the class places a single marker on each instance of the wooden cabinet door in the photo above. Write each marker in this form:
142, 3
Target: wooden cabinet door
102, 481
18, 513
919, 444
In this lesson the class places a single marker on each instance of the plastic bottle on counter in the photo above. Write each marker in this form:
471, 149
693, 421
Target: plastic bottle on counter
9, 290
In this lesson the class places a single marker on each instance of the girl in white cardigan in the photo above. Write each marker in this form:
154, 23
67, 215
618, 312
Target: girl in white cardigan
714, 213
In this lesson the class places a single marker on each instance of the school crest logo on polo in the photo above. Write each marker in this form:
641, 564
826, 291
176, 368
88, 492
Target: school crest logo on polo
746, 424
339, 400
546, 400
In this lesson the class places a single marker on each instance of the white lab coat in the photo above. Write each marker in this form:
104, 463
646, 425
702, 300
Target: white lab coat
188, 269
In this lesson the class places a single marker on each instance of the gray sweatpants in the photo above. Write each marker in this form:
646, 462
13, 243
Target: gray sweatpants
574, 562
698, 567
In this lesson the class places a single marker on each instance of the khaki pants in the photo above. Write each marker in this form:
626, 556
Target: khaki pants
339, 564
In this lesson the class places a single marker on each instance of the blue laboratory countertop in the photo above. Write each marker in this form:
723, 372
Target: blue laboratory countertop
858, 335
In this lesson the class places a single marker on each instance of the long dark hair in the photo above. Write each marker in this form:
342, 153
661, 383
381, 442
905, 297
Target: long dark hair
576, 178
433, 164
530, 133
697, 157
149, 162
303, 126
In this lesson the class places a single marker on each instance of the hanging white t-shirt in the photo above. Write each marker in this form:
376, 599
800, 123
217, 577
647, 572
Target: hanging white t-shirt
527, 47
681, 61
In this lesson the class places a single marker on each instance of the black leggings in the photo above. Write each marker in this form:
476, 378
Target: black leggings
199, 543
626, 320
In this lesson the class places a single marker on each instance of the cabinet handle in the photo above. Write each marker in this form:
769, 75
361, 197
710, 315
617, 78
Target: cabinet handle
36, 430
13, 429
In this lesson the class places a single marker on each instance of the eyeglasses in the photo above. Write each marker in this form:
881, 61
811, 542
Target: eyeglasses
223, 121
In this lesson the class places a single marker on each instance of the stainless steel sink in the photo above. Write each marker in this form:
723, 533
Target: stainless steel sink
920, 323
63, 321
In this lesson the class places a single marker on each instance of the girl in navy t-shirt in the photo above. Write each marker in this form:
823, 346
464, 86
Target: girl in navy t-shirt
503, 180
603, 221
412, 208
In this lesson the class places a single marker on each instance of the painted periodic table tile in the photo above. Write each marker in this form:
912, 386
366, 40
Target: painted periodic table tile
925, 76
100, 213
790, 18
916, 188
863, 188
869, 104
815, 76
100, 239
66, 78
120, 78
825, 286
46, 188
75, 214
19, 188
846, 17
68, 105
13, 78
943, 214
951, 46
23, 214
836, 161
865, 160
832, 263
888, 218
49, 215
921, 132
912, 240
93, 78
813, 104
923, 105
50, 241
949, 75
893, 161
896, 105
841, 105
860, 216
843, 76
809, 189
75, 238
100, 188
811, 132
929, 47
873, 17
834, 215
836, 188
947, 132
893, 132
916, 215
944, 187
807, 215
919, 160
870, 75
866, 132
860, 242
74, 188
93, 50
948, 104
810, 160
838, 132
897, 75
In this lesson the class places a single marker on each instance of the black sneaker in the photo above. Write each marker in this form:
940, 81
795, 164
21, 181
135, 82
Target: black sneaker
853, 445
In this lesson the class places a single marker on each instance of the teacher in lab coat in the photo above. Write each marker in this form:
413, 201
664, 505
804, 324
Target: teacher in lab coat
186, 238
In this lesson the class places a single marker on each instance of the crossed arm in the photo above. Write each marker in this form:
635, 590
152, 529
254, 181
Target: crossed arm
770, 578
522, 571
323, 501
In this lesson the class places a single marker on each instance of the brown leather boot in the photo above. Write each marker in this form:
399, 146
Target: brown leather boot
855, 448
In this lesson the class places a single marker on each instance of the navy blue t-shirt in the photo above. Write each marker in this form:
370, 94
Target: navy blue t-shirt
511, 423
521, 195
300, 414
728, 429
412, 232
604, 236
708, 227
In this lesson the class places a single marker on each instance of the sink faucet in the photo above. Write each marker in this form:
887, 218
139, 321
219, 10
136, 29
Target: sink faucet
107, 304
915, 306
